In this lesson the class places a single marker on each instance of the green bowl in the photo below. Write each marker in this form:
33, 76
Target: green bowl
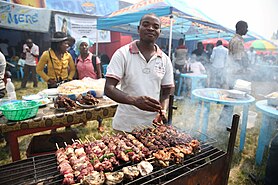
20, 110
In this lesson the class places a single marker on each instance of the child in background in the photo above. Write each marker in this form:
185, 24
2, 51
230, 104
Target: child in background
195, 66
20, 64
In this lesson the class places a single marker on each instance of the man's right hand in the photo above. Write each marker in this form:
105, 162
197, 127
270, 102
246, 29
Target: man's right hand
147, 103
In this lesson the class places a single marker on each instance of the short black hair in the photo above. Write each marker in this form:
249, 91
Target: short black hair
149, 14
241, 24
219, 42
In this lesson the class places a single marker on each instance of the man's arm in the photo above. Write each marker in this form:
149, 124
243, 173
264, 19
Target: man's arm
142, 102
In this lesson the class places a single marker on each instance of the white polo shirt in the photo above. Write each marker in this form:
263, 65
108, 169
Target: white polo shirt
30, 59
138, 78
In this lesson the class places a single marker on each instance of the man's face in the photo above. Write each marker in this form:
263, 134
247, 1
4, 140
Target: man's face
29, 43
245, 30
149, 28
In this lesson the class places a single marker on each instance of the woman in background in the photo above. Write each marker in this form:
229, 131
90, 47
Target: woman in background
87, 64
60, 65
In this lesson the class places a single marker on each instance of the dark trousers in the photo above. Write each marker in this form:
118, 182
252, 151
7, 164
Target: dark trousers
272, 163
27, 70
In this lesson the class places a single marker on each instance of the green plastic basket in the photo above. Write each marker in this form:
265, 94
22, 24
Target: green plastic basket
20, 110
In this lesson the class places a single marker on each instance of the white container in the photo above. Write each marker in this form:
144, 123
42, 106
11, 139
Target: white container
252, 117
10, 89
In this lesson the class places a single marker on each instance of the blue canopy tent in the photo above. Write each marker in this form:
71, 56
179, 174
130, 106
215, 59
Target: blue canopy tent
179, 20
186, 21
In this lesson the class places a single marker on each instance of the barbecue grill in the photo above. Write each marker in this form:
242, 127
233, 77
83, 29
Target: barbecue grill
209, 166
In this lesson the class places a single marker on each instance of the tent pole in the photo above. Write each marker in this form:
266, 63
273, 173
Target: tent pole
170, 37
96, 42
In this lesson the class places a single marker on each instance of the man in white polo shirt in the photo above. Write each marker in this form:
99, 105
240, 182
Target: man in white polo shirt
32, 52
146, 77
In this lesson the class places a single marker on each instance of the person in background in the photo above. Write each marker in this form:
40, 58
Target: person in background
209, 48
105, 60
2, 74
180, 55
146, 76
195, 66
252, 56
71, 49
87, 64
200, 53
238, 56
21, 63
32, 53
60, 66
4, 45
236, 46
218, 59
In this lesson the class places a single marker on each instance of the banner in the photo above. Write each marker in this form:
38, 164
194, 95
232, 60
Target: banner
91, 7
19, 17
78, 27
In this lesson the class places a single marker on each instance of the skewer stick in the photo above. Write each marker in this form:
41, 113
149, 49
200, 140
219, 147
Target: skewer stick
100, 134
124, 132
80, 140
57, 146
65, 144
94, 138
149, 159
72, 140
77, 141
87, 139
114, 134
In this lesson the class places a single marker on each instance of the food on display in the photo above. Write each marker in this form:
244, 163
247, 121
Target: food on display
145, 168
87, 99
124, 157
64, 102
72, 87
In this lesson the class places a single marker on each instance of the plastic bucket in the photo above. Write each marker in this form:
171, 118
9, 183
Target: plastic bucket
252, 117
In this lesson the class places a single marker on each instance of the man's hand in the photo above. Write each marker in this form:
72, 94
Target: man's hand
160, 118
147, 103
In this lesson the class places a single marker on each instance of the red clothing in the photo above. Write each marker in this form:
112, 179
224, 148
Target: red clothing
85, 68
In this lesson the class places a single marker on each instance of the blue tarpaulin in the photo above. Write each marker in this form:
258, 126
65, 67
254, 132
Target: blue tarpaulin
187, 22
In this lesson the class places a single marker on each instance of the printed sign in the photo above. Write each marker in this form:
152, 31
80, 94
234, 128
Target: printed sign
78, 27
19, 17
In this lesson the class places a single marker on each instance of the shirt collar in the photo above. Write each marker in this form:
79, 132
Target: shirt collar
133, 49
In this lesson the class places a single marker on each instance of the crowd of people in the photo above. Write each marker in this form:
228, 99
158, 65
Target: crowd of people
144, 71
66, 59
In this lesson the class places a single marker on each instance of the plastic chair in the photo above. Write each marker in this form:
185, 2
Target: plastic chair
104, 69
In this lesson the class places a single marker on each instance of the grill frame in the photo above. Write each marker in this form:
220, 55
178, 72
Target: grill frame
210, 166
43, 169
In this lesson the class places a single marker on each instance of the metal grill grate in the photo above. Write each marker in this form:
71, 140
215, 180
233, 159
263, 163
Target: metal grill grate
43, 169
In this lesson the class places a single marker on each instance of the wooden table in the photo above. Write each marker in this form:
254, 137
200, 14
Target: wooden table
48, 118
267, 127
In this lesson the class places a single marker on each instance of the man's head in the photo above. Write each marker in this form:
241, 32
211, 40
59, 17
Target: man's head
29, 43
241, 27
149, 28
219, 42
181, 41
